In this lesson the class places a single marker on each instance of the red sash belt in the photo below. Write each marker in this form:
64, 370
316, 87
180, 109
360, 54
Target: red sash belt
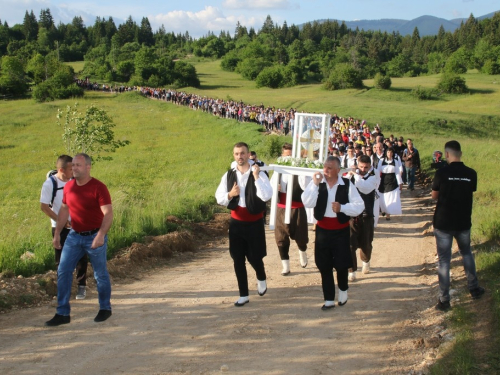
242, 214
282, 202
331, 223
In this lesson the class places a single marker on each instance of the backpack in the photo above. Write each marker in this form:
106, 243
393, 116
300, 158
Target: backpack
51, 174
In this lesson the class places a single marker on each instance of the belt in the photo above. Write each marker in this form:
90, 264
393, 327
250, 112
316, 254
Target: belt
88, 232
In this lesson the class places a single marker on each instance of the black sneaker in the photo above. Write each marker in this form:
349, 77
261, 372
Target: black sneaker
57, 320
477, 292
443, 306
102, 315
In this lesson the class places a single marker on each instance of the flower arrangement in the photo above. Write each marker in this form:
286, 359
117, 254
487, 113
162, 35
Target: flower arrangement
299, 162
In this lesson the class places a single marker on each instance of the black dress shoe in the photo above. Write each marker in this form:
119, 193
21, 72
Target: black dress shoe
477, 293
261, 294
325, 308
285, 273
237, 304
102, 315
57, 320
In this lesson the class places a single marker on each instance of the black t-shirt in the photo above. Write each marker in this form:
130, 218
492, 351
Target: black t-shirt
456, 184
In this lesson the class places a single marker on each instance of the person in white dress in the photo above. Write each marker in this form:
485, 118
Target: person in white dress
390, 184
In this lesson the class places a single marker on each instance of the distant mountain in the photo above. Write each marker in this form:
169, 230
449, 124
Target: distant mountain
427, 25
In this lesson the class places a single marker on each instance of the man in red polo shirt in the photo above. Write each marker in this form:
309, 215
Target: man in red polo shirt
88, 202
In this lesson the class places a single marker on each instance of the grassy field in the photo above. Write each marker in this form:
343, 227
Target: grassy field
77, 65
176, 155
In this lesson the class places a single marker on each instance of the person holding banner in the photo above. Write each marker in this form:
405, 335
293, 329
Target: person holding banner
244, 189
335, 200
297, 229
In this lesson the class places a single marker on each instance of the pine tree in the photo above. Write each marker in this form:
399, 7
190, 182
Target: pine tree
30, 26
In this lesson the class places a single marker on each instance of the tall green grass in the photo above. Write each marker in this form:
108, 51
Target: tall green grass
177, 156
172, 167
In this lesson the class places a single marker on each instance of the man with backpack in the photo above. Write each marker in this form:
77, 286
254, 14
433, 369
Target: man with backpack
50, 203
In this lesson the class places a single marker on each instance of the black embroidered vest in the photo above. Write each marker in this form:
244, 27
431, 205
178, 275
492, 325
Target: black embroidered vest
341, 196
368, 199
254, 204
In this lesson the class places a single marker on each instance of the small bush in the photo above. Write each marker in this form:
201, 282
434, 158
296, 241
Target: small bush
422, 93
382, 82
491, 67
452, 84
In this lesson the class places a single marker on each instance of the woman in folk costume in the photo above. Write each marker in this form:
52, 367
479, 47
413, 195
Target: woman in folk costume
390, 184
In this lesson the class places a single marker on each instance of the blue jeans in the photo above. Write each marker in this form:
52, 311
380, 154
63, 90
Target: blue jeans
410, 177
74, 249
444, 240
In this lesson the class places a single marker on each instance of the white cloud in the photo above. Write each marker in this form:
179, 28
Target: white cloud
199, 23
260, 4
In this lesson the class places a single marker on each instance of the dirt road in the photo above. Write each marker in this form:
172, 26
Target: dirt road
180, 319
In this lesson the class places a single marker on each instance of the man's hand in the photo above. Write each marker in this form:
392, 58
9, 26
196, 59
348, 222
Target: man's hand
56, 241
336, 207
256, 171
235, 191
98, 241
317, 178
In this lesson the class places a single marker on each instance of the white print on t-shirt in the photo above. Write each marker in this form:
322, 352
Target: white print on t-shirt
458, 179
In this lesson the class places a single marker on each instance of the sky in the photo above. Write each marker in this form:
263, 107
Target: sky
198, 17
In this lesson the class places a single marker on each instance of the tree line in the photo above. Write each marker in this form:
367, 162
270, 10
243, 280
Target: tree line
273, 56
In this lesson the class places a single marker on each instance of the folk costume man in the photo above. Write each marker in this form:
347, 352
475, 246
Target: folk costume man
88, 202
335, 200
366, 182
244, 190
297, 229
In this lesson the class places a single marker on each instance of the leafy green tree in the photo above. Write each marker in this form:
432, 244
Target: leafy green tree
399, 65
230, 61
271, 77
250, 68
214, 48
458, 61
143, 62
12, 77
59, 86
91, 132
124, 70
185, 75
344, 76
435, 62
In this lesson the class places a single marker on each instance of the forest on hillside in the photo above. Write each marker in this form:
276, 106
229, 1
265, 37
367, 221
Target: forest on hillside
32, 53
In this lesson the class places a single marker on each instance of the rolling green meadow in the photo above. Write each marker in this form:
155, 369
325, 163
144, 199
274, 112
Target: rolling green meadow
177, 156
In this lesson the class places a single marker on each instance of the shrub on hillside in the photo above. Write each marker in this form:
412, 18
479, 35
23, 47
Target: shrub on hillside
452, 84
59, 86
271, 77
229, 62
491, 67
422, 93
382, 82
344, 76
251, 67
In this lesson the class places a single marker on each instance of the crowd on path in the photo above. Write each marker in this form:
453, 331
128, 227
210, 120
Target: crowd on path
362, 176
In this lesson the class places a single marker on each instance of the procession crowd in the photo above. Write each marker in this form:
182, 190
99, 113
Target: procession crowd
362, 176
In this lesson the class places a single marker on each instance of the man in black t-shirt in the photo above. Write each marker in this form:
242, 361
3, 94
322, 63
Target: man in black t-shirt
453, 187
